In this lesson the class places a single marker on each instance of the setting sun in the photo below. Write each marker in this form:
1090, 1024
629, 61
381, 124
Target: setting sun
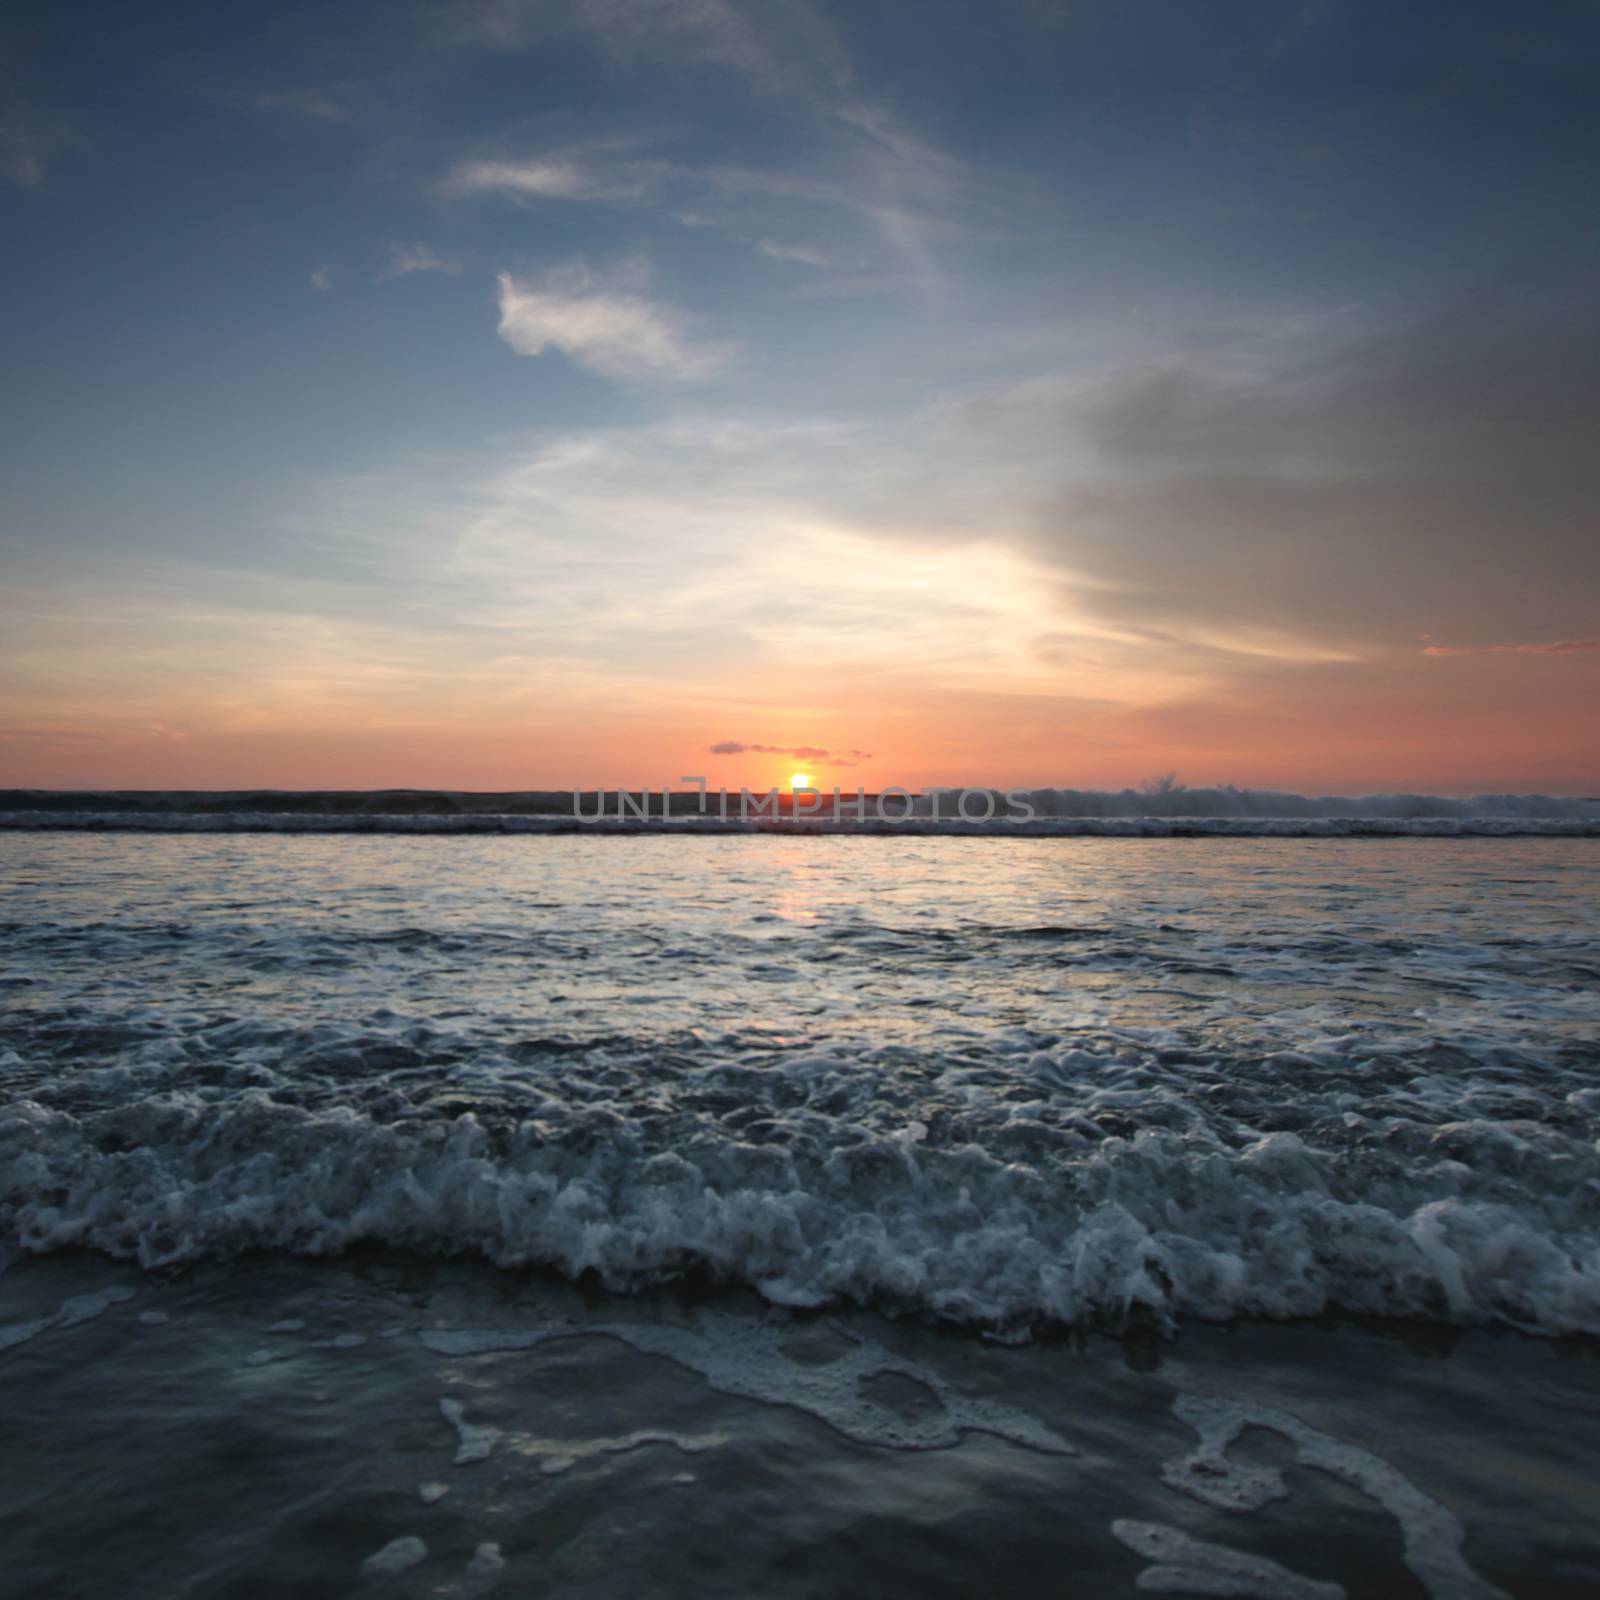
799, 781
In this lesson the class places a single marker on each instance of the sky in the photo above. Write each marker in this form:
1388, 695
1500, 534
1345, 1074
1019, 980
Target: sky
517, 394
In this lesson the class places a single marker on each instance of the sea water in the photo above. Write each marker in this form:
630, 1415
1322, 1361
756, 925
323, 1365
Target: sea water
448, 1214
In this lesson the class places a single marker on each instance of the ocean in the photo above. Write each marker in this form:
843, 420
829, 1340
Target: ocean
772, 1213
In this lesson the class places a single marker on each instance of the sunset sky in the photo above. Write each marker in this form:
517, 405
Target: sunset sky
514, 395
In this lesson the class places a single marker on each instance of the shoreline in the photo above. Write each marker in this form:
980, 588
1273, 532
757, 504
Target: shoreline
338, 1408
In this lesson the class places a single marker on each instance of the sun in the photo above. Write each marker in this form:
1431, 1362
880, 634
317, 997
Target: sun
799, 781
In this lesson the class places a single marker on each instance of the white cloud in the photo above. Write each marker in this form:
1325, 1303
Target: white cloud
319, 105
408, 258
618, 335
792, 252
543, 178
320, 279
691, 545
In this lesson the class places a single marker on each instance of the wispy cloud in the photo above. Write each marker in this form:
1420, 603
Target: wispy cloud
792, 252
857, 155
776, 45
103, 730
914, 209
562, 176
315, 104
905, 214
405, 259
800, 752
619, 335
1556, 647
320, 279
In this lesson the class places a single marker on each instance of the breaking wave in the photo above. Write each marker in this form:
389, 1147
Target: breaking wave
1057, 1086
1161, 811
1030, 1223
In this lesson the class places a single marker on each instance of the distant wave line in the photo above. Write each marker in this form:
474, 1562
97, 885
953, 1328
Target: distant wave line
490, 823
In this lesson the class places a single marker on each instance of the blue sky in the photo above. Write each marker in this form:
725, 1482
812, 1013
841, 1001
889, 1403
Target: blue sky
516, 393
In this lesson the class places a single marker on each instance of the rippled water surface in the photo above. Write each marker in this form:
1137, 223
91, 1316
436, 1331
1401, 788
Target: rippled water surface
1003, 1081
709, 1107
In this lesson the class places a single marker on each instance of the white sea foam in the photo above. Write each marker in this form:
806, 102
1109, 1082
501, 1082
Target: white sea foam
486, 1562
745, 1357
399, 1555
1160, 1220
1432, 1535
558, 1456
475, 1440
1182, 1565
71, 1313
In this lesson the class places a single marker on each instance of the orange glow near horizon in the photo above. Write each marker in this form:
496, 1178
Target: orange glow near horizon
1391, 721
1474, 729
